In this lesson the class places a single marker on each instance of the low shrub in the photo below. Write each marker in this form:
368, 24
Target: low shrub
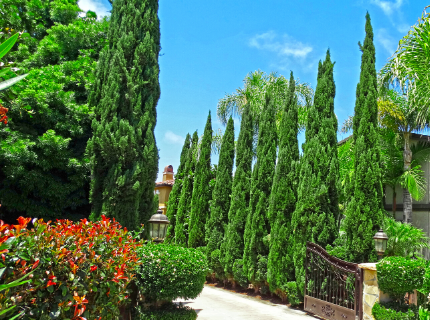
292, 292
78, 269
398, 275
394, 311
169, 312
169, 272
238, 274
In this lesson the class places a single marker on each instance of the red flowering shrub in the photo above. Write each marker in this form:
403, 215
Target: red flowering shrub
81, 270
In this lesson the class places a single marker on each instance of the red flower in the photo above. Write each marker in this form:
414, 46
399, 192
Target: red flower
51, 283
93, 268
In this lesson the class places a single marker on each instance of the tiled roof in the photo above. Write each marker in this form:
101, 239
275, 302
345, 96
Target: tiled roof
167, 183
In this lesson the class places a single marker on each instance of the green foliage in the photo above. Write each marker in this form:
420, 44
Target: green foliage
68, 42
239, 274
292, 293
184, 205
257, 225
317, 210
169, 272
44, 170
283, 197
220, 204
170, 311
201, 190
174, 196
404, 240
123, 152
364, 213
233, 244
392, 311
398, 275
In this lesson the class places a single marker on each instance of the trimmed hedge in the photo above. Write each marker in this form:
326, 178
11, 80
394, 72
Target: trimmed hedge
398, 275
169, 312
169, 272
394, 311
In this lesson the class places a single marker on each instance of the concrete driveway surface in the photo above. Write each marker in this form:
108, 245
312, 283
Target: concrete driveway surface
218, 304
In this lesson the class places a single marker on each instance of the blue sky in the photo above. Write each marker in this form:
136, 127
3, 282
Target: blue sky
208, 47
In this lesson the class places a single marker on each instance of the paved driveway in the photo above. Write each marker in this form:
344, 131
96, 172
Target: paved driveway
218, 304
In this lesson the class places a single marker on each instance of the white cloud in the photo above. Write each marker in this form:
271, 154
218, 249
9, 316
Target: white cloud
389, 7
172, 138
98, 6
284, 46
387, 42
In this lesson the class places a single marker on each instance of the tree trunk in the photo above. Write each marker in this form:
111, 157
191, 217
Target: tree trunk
394, 202
407, 198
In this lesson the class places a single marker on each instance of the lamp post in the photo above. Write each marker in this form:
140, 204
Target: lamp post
381, 240
158, 226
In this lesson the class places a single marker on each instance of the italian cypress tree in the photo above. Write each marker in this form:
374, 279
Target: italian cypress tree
201, 190
317, 207
232, 245
364, 213
257, 225
280, 268
220, 203
123, 152
184, 205
174, 196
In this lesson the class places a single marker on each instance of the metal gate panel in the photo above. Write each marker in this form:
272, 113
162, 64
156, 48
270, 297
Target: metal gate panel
333, 286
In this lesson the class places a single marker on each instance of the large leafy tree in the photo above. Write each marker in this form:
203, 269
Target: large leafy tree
184, 204
364, 212
123, 151
257, 225
283, 197
317, 207
44, 169
201, 190
220, 204
233, 243
175, 194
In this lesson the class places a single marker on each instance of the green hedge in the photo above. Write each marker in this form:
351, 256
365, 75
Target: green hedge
169, 312
394, 311
169, 272
398, 275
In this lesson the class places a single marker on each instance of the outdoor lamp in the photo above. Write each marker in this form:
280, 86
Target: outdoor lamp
381, 240
158, 226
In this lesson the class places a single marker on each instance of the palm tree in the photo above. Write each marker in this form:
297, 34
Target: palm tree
407, 70
400, 114
256, 85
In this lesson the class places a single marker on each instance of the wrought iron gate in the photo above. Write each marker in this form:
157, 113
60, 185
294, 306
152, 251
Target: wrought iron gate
333, 286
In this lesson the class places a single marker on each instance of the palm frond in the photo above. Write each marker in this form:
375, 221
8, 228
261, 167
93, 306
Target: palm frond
414, 181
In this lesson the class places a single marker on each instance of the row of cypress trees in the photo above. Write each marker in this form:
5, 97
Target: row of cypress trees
255, 226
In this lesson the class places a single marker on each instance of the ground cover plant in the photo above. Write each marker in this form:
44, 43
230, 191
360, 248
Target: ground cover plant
79, 269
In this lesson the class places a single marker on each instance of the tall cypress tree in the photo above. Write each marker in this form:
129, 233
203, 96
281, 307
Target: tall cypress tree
123, 152
364, 212
317, 207
201, 190
257, 225
175, 194
184, 205
220, 203
232, 245
280, 268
